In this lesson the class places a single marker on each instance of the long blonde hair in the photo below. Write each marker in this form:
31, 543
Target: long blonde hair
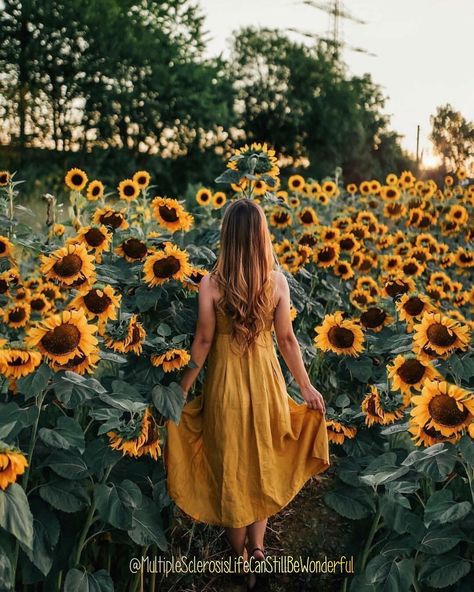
243, 270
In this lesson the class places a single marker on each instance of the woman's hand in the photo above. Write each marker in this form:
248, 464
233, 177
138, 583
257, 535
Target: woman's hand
313, 398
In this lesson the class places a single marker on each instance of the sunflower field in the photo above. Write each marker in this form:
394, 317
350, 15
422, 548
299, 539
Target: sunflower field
98, 314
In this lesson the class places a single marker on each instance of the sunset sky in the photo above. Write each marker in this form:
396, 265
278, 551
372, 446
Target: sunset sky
423, 49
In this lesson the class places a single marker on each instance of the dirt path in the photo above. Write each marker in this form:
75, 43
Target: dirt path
306, 528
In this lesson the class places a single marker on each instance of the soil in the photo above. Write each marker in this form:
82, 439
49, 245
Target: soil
306, 527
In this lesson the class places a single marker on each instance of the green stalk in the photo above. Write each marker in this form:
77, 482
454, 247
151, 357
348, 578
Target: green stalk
34, 431
370, 537
88, 522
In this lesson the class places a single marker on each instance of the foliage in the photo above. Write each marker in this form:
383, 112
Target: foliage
452, 136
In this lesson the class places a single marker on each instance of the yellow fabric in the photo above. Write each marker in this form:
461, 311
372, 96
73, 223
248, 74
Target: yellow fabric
243, 448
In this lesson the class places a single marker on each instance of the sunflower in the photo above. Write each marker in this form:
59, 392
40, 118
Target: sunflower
464, 258
63, 336
6, 247
40, 304
397, 284
348, 243
412, 267
218, 199
132, 249
329, 188
97, 302
408, 373
76, 179
351, 188
4, 178
389, 193
256, 159
142, 179
329, 234
170, 214
95, 238
323, 199
80, 364
296, 183
17, 315
364, 188
338, 432
194, 278
22, 294
12, 464
327, 254
170, 263
291, 261
407, 180
440, 334
173, 359
308, 217
280, 218
127, 336
128, 190
361, 298
109, 217
394, 211
445, 407
16, 363
144, 440
339, 335
428, 436
204, 196
95, 190
448, 181
344, 270
381, 409
367, 283
391, 262
412, 307
259, 187
458, 214
375, 319
308, 239
68, 265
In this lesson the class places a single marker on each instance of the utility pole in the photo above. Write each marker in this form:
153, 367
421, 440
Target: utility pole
417, 149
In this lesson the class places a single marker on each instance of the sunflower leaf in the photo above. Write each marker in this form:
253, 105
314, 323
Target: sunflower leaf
33, 384
169, 400
78, 580
15, 514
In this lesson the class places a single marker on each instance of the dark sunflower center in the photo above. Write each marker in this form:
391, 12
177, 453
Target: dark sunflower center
68, 265
326, 254
95, 190
166, 267
374, 317
445, 411
96, 303
307, 239
433, 432
196, 276
411, 371
62, 339
77, 179
395, 208
134, 248
129, 190
296, 183
135, 335
371, 409
142, 180
94, 237
440, 335
410, 268
366, 264
341, 337
3, 247
395, 288
37, 304
391, 193
16, 362
168, 214
281, 217
76, 360
3, 178
3, 286
113, 219
17, 315
414, 306
347, 244
307, 218
343, 268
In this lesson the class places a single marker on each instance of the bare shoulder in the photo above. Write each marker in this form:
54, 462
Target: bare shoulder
208, 285
280, 282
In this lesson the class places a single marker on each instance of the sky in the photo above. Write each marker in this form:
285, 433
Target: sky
423, 50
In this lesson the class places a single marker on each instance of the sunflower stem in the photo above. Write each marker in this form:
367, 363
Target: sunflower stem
370, 537
88, 522
39, 404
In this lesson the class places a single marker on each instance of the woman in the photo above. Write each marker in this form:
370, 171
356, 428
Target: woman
244, 448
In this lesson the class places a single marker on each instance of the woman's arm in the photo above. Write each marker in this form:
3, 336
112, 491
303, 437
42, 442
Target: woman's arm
290, 349
204, 334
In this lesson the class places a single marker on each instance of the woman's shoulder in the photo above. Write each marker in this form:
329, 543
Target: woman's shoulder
209, 284
279, 278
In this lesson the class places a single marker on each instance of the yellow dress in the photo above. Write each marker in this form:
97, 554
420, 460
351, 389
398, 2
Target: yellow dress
243, 448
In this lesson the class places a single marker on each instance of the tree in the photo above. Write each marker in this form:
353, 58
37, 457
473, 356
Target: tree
452, 136
300, 99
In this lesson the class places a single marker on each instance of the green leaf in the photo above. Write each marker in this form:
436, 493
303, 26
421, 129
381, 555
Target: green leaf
64, 495
115, 502
440, 539
360, 368
6, 569
441, 571
147, 528
34, 384
169, 400
436, 462
15, 514
69, 465
46, 535
228, 176
67, 434
391, 575
441, 508
163, 329
350, 502
21, 417
81, 581
466, 448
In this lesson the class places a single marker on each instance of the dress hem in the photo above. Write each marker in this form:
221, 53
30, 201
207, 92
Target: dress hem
294, 492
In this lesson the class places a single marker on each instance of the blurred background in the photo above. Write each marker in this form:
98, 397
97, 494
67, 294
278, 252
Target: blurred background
171, 86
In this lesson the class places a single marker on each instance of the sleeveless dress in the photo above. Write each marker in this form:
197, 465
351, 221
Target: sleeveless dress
243, 448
